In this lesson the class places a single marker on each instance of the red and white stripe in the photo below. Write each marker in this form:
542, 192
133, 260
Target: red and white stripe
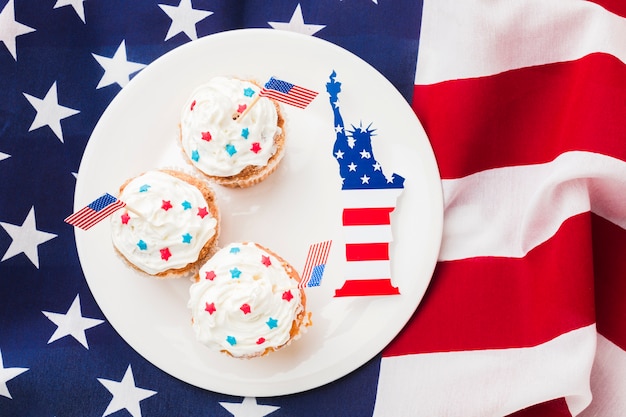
525, 106
367, 234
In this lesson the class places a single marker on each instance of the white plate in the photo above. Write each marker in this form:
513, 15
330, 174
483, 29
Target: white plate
297, 206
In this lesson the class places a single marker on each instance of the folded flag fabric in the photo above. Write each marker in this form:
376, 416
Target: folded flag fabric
287, 93
532, 152
94, 212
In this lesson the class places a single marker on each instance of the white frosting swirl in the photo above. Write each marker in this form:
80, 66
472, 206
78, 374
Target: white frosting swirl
174, 224
244, 302
214, 142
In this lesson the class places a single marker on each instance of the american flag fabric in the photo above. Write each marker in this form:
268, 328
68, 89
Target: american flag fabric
94, 212
525, 106
287, 93
315, 263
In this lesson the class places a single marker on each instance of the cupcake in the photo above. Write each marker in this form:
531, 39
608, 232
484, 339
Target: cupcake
169, 226
230, 134
246, 302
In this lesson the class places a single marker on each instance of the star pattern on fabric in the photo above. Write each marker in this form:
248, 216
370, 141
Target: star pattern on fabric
126, 395
296, 24
7, 374
76, 4
4, 156
72, 323
25, 238
11, 28
49, 111
248, 408
184, 19
118, 68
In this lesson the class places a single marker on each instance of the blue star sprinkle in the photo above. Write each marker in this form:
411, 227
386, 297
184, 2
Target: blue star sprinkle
235, 273
144, 188
195, 156
231, 340
272, 323
186, 205
187, 238
235, 250
231, 149
245, 132
142, 245
248, 92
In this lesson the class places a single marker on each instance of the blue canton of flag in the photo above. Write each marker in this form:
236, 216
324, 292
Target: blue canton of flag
316, 276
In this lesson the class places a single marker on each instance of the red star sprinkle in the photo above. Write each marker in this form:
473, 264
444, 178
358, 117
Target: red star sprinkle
287, 295
202, 212
125, 218
165, 254
241, 108
166, 205
265, 260
256, 147
193, 104
260, 341
210, 275
245, 308
207, 136
210, 308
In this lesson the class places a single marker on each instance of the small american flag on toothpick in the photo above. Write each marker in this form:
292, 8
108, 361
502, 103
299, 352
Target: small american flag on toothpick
94, 212
287, 93
315, 263
283, 92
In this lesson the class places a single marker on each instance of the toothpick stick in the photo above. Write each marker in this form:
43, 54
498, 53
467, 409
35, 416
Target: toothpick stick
238, 116
132, 210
